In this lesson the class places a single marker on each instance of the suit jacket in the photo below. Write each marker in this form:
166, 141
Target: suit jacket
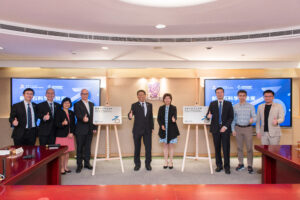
18, 111
173, 131
227, 116
277, 112
142, 124
64, 130
84, 128
46, 127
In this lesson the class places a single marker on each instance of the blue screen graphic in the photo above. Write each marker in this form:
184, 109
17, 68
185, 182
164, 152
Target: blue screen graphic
255, 88
63, 88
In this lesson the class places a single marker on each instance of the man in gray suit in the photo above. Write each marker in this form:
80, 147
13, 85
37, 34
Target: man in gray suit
269, 116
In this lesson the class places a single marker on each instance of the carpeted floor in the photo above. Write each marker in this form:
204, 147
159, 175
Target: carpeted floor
196, 172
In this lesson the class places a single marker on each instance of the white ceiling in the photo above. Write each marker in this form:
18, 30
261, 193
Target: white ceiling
116, 17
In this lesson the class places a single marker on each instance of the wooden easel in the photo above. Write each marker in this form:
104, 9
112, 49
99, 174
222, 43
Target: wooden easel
107, 147
196, 157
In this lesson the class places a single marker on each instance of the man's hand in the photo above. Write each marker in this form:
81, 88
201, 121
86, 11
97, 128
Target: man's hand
130, 115
275, 121
251, 120
223, 129
85, 118
65, 122
70, 135
209, 115
46, 117
173, 119
15, 122
258, 135
233, 133
163, 128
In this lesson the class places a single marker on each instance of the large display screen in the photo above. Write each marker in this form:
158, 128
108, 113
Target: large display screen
255, 88
63, 88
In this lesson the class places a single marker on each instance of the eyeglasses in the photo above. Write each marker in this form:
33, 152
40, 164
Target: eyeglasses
85, 93
268, 96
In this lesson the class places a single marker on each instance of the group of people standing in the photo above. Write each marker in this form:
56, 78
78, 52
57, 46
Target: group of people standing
238, 120
57, 126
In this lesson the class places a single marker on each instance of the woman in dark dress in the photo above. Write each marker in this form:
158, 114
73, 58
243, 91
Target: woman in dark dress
65, 122
168, 130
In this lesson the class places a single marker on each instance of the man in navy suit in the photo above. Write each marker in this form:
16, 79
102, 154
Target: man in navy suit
46, 112
221, 112
84, 130
142, 128
23, 120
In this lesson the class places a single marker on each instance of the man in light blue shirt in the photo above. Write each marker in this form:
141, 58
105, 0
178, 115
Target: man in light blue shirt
244, 116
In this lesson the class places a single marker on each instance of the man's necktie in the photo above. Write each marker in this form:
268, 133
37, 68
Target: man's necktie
29, 117
143, 105
52, 111
220, 112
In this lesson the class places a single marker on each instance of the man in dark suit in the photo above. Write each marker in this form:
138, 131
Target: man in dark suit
23, 119
46, 112
142, 128
84, 130
221, 112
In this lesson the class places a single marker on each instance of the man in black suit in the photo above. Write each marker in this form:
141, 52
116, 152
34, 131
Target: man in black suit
221, 112
142, 128
84, 130
46, 112
23, 119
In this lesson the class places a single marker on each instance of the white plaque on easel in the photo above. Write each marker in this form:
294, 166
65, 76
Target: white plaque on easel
195, 115
107, 115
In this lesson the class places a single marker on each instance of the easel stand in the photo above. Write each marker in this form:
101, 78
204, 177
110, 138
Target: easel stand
107, 148
196, 157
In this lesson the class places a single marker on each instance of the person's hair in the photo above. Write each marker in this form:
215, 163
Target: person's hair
219, 88
50, 89
242, 91
167, 95
28, 89
269, 91
65, 100
143, 91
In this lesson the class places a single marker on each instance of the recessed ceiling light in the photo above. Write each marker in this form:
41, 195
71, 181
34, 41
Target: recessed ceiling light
1, 48
160, 26
104, 48
167, 3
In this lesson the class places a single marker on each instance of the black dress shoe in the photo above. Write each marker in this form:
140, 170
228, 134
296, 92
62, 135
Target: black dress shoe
63, 173
88, 167
78, 169
136, 168
218, 169
68, 171
165, 167
227, 171
148, 167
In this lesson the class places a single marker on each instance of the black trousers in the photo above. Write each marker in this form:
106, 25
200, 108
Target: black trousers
222, 139
147, 139
28, 138
84, 148
49, 139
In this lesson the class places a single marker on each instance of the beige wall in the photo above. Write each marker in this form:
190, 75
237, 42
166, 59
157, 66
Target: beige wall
186, 85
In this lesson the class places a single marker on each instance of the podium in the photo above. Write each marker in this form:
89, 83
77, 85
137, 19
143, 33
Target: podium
196, 115
107, 116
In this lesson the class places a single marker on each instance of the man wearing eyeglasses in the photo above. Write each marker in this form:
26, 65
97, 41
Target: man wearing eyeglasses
269, 116
84, 130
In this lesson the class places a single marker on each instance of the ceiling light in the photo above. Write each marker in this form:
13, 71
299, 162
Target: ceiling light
104, 48
1, 48
160, 26
167, 3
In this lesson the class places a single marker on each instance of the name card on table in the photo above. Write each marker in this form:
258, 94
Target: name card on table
107, 115
195, 115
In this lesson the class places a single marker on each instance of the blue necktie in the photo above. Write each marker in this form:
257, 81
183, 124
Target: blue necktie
220, 112
29, 117
52, 111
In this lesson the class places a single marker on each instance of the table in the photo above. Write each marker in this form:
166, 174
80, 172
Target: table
153, 192
43, 169
280, 163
